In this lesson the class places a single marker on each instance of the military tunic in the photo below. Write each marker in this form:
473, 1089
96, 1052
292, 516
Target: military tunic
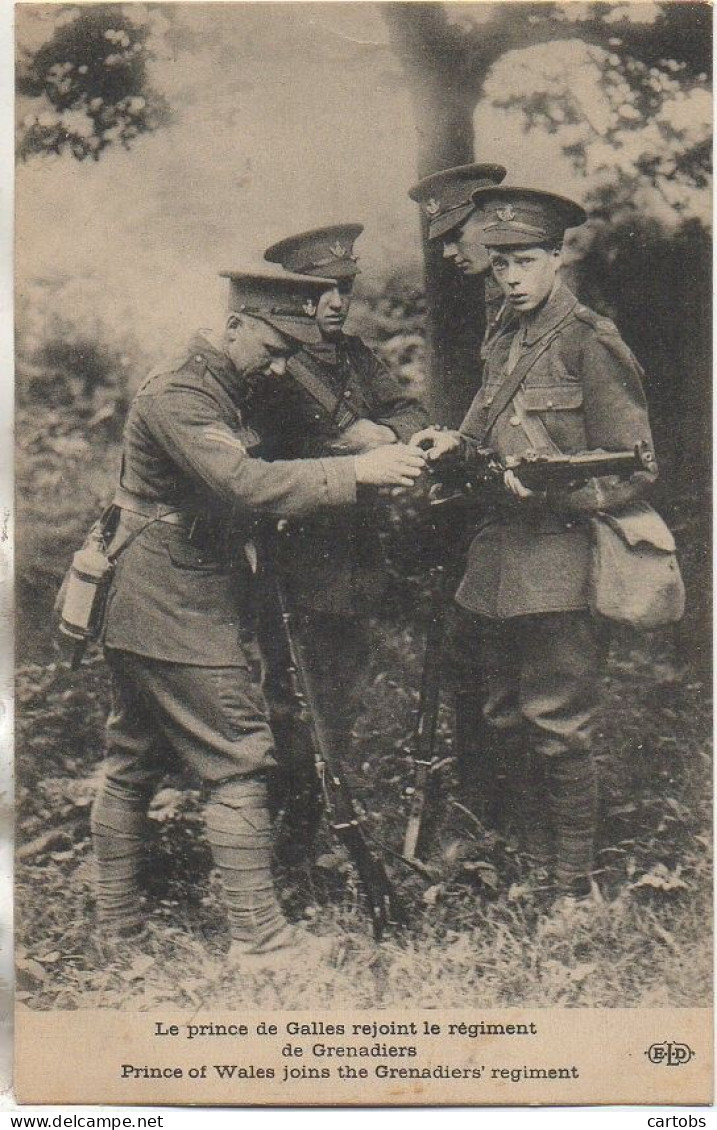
189, 489
523, 596
586, 390
335, 572
187, 450
337, 566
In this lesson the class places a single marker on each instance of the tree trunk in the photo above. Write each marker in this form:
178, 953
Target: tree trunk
444, 97
456, 311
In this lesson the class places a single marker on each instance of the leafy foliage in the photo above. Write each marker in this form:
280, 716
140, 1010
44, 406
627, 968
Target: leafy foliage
90, 80
640, 134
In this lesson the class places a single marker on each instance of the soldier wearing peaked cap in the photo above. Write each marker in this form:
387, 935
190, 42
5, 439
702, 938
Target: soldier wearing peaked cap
558, 378
340, 399
446, 201
182, 688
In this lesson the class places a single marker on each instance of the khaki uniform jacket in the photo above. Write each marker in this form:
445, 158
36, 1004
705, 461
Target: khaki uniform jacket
586, 389
337, 564
177, 589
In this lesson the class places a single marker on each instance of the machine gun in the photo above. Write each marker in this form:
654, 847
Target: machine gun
535, 470
383, 903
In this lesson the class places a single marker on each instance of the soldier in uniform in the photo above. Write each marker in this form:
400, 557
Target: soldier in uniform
558, 378
339, 399
446, 201
182, 687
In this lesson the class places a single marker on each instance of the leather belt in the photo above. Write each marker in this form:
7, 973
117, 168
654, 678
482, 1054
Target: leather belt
155, 511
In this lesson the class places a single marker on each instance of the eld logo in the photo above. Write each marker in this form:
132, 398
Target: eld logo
669, 1054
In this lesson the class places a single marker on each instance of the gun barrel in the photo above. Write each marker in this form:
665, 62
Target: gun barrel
563, 471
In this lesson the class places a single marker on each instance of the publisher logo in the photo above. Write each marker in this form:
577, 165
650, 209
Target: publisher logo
669, 1054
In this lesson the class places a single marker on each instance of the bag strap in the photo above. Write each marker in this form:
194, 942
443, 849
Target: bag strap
514, 380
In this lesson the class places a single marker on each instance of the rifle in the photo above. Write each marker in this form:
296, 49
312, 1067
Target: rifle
424, 734
384, 905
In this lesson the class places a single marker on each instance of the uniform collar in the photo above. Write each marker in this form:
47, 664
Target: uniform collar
326, 351
219, 365
557, 307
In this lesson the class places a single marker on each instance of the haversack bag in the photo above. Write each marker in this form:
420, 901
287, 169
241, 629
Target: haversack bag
635, 577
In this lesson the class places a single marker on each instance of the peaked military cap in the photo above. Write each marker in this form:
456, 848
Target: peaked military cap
523, 217
445, 197
284, 300
322, 251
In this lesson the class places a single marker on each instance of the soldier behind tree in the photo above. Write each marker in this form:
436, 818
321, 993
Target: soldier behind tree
446, 202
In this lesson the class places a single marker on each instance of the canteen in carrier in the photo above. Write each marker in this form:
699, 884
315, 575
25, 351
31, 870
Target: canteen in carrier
86, 588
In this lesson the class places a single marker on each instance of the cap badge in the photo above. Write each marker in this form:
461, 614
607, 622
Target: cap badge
432, 206
338, 250
506, 214
309, 307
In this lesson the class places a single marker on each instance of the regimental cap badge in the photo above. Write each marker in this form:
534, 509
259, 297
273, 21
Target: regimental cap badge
506, 214
433, 207
321, 251
309, 307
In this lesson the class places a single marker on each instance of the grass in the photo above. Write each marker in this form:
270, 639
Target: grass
480, 932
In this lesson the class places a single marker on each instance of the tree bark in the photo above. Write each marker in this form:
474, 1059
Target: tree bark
444, 98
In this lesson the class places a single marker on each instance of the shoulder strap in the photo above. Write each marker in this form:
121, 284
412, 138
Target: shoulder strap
512, 383
354, 348
308, 378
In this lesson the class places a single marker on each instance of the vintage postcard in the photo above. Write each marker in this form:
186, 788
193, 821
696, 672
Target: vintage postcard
363, 369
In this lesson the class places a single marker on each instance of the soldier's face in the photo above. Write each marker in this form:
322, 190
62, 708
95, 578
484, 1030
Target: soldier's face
464, 248
332, 310
255, 348
526, 274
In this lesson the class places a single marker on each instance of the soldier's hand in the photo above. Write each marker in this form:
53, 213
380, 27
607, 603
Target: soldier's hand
363, 435
513, 484
436, 442
393, 465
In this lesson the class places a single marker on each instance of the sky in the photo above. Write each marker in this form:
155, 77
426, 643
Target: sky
287, 117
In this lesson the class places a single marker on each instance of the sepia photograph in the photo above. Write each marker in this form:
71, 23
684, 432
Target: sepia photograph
363, 551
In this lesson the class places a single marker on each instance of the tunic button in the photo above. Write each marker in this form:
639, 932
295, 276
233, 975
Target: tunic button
347, 394
515, 421
317, 416
549, 404
198, 357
